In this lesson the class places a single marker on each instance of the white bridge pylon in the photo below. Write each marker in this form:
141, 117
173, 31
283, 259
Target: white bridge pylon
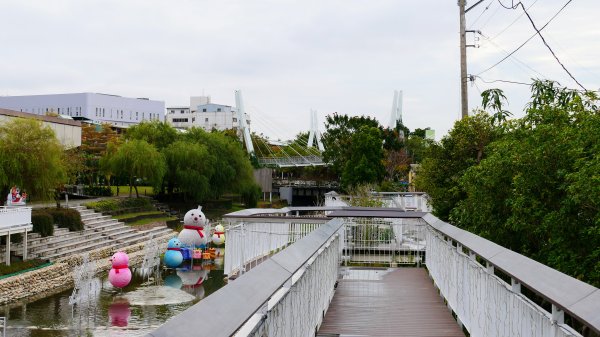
314, 131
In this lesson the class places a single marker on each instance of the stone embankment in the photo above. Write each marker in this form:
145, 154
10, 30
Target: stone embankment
59, 276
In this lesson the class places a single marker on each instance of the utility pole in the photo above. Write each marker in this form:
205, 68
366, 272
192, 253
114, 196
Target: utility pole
464, 98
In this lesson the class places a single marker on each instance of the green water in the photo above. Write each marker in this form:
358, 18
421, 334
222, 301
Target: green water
110, 312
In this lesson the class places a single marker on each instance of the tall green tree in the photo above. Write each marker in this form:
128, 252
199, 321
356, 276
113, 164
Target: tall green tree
137, 159
31, 157
365, 162
159, 134
190, 169
337, 138
232, 168
446, 162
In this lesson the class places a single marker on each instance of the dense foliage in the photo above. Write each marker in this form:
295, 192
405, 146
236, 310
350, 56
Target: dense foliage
66, 218
30, 157
109, 205
530, 184
195, 165
43, 223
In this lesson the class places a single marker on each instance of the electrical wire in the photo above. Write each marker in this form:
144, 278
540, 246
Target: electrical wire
514, 58
514, 21
547, 45
524, 43
481, 14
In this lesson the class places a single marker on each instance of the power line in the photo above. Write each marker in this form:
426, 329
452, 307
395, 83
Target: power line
548, 46
517, 61
529, 39
480, 15
512, 23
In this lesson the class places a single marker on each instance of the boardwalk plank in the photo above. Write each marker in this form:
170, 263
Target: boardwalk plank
388, 302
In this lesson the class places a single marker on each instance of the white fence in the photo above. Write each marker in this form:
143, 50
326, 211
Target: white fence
489, 306
248, 243
14, 217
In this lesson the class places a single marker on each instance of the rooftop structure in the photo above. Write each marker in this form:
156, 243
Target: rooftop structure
67, 130
92, 107
202, 113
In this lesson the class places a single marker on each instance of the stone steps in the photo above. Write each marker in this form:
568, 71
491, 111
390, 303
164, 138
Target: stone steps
100, 231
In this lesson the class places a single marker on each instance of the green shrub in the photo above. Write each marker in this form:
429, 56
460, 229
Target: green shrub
250, 195
66, 218
43, 223
99, 191
110, 205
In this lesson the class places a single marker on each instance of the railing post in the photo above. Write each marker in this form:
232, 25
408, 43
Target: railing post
515, 286
558, 316
489, 267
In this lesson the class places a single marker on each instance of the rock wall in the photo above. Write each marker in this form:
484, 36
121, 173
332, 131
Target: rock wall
59, 276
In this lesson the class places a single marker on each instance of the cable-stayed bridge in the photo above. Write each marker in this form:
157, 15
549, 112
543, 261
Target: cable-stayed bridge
304, 151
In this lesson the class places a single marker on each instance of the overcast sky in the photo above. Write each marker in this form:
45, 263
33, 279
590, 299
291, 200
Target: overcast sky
345, 56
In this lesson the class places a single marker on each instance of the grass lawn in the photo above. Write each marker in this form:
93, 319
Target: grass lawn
133, 215
124, 190
147, 221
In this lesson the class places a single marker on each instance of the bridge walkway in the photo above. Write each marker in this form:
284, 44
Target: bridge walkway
387, 302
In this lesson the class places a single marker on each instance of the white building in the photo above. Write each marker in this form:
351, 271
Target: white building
67, 131
92, 107
203, 114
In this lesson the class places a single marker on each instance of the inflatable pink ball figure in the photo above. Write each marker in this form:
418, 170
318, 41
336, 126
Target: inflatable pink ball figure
119, 275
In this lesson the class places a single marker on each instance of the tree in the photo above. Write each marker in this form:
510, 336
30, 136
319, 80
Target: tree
159, 134
446, 162
190, 169
365, 162
338, 137
139, 160
534, 188
232, 168
32, 158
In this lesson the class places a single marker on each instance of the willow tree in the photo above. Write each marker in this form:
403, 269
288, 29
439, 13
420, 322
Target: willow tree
31, 157
137, 159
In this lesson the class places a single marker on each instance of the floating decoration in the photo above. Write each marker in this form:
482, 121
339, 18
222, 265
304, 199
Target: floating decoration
218, 237
173, 257
193, 233
119, 275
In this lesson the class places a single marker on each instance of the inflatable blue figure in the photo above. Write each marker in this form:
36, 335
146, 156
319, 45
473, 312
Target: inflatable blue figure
173, 256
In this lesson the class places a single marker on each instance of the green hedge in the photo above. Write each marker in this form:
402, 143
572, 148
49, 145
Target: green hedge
110, 205
98, 191
43, 222
66, 218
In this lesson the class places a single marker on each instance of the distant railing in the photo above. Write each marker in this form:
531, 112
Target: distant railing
409, 201
286, 295
311, 160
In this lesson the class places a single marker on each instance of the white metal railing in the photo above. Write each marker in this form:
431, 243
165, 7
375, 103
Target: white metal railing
487, 305
3, 326
415, 201
248, 243
384, 241
311, 160
14, 216
286, 295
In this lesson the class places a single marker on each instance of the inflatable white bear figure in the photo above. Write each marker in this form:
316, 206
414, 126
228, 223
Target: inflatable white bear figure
194, 229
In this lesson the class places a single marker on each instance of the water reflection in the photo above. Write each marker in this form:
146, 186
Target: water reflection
147, 302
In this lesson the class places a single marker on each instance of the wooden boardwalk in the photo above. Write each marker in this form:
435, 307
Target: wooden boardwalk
387, 302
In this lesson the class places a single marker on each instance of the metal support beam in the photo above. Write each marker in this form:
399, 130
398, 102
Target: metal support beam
8, 249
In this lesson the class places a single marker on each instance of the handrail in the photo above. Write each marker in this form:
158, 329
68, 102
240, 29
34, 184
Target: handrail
577, 298
225, 311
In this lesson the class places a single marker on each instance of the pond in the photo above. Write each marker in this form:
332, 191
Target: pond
142, 306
